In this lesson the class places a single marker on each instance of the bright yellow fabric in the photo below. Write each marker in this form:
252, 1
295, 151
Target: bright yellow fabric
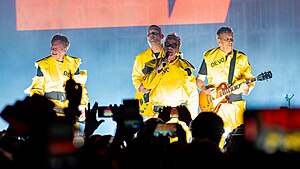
139, 64
173, 86
217, 72
218, 67
137, 76
55, 75
232, 115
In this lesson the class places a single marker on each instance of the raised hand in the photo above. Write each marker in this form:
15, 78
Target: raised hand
164, 113
184, 114
91, 122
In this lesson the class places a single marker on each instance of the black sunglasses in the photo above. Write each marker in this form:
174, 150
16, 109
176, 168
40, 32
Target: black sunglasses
172, 45
153, 33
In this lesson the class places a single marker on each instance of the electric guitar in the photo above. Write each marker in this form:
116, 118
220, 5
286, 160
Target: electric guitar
145, 105
219, 94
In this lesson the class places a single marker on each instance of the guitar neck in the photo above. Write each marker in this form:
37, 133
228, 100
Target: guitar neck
235, 87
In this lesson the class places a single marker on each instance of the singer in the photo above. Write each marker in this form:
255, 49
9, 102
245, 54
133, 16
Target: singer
170, 79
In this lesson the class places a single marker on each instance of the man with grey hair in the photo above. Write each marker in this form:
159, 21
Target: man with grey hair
54, 72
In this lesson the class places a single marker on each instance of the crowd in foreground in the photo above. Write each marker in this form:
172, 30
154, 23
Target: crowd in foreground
37, 137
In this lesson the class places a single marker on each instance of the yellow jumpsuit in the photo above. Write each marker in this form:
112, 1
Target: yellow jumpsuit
137, 76
138, 65
175, 85
51, 79
217, 70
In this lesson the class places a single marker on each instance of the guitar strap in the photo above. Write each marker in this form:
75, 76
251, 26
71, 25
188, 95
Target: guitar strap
231, 68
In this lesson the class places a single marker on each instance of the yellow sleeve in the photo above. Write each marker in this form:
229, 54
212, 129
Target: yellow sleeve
137, 74
248, 75
37, 86
193, 101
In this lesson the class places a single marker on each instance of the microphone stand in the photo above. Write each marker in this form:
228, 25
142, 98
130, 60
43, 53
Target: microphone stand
288, 98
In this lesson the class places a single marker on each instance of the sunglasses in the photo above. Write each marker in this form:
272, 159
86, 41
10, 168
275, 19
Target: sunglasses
153, 33
172, 45
227, 39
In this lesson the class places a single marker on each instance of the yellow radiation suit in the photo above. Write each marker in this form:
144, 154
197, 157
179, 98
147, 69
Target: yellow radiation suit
175, 85
216, 67
51, 79
137, 76
138, 65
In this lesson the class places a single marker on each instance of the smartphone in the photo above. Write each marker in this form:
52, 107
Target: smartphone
104, 111
165, 129
131, 107
174, 113
132, 123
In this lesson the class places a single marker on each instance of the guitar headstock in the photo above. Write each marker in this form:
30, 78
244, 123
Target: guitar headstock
264, 76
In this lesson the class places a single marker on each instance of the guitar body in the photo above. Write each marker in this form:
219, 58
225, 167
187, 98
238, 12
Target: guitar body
145, 105
211, 103
206, 102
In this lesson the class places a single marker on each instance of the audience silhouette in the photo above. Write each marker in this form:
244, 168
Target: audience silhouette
37, 137
207, 129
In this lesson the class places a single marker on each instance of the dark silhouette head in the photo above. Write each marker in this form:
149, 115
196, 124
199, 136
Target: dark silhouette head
207, 125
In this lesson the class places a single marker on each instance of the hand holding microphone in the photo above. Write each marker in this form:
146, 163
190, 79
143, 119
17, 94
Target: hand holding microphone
165, 59
163, 62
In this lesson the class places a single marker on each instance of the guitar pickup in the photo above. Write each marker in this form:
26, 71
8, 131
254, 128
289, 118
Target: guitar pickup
146, 97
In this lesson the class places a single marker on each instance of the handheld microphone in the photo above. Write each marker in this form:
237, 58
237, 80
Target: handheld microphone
162, 62
167, 54
165, 59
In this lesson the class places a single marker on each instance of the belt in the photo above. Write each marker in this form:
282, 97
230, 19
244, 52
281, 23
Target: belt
61, 96
59, 110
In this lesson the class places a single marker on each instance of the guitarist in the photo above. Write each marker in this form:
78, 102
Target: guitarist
215, 67
155, 41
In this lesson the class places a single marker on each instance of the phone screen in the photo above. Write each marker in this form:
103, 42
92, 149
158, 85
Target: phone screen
168, 129
174, 113
132, 123
104, 111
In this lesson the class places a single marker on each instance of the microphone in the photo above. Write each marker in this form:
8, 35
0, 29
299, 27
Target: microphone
162, 62
165, 59
167, 55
